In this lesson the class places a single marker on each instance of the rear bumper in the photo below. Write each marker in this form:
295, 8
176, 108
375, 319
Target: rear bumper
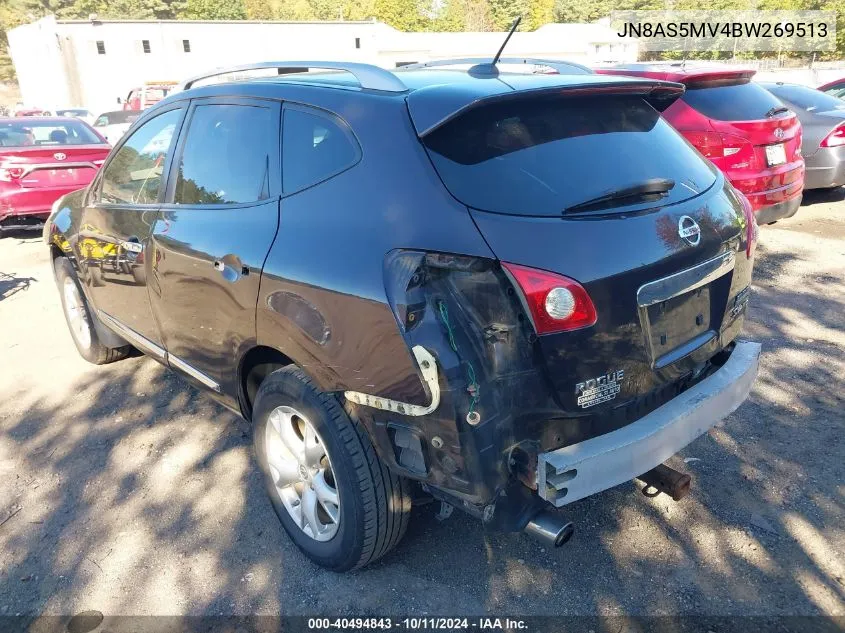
825, 168
580, 470
778, 211
31, 202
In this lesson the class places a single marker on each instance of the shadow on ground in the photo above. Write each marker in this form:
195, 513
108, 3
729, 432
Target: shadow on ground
11, 284
137, 494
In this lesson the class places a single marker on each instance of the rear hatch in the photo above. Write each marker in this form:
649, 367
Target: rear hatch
757, 139
597, 187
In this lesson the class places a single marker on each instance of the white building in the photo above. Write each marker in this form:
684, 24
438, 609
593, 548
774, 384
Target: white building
93, 63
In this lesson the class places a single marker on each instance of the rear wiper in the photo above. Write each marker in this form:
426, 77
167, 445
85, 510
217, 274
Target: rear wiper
776, 110
646, 191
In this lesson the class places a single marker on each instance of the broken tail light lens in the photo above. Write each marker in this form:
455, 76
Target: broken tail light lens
835, 138
556, 303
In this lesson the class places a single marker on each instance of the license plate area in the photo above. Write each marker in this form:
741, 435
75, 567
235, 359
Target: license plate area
775, 154
678, 326
58, 177
676, 312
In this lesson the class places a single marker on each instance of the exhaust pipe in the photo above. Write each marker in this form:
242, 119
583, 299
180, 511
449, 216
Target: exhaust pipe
550, 529
667, 480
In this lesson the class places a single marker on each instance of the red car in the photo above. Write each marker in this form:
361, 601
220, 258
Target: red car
40, 160
741, 127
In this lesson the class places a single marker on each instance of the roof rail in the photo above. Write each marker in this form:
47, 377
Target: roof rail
562, 67
370, 77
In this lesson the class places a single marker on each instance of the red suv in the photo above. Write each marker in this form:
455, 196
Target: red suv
741, 127
42, 159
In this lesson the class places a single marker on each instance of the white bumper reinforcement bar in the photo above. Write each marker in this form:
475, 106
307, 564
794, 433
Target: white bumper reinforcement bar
583, 469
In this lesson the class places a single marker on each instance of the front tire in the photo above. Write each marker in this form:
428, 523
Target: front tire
335, 498
79, 319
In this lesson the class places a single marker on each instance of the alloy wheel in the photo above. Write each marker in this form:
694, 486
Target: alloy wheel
302, 473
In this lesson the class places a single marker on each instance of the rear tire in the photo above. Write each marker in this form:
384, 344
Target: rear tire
373, 504
79, 319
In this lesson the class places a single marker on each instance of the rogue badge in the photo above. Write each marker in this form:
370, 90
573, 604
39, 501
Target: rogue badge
600, 389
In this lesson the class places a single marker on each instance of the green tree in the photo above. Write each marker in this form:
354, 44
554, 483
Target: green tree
451, 17
258, 10
214, 10
293, 10
405, 15
540, 12
504, 12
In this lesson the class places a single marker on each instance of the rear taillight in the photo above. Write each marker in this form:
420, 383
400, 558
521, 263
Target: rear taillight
556, 303
731, 152
11, 174
751, 229
99, 163
835, 138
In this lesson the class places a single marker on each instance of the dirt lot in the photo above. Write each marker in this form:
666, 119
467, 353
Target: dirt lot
126, 491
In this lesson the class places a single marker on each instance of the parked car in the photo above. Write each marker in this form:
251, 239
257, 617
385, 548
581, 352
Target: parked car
835, 88
113, 125
25, 112
822, 119
741, 127
78, 113
147, 95
516, 292
42, 159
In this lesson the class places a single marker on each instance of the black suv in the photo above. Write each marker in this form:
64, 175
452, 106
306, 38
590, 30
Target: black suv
513, 289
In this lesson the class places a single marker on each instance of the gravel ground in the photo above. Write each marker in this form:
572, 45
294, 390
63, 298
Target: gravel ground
127, 491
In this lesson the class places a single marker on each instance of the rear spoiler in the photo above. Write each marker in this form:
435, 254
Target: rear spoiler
434, 106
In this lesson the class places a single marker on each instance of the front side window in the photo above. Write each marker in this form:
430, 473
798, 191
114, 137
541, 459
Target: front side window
134, 174
315, 147
226, 157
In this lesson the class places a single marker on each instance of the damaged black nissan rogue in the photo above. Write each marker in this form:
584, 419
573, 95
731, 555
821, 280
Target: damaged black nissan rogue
499, 289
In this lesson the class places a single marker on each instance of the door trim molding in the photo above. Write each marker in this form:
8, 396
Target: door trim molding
131, 336
148, 347
193, 372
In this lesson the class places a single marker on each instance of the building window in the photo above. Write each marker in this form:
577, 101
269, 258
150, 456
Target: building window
186, 46
101, 47
357, 42
146, 45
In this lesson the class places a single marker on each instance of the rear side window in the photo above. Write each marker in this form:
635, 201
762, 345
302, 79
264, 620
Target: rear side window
541, 157
226, 156
133, 174
806, 98
315, 147
744, 101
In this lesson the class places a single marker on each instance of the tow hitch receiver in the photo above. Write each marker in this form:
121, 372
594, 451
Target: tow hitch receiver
667, 480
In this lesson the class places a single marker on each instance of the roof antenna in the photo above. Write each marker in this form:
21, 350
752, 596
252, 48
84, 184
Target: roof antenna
507, 39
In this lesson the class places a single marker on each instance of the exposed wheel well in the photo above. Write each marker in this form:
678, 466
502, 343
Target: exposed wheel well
257, 364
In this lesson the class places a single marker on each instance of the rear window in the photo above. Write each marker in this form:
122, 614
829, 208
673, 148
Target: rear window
540, 157
805, 98
744, 101
35, 133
